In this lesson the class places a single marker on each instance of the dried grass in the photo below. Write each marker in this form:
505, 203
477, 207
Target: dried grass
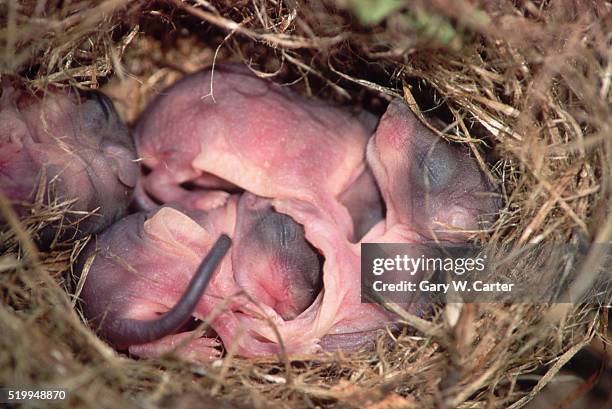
526, 85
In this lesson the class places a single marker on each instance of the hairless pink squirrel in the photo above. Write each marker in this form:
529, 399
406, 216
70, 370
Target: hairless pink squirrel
234, 129
75, 144
314, 182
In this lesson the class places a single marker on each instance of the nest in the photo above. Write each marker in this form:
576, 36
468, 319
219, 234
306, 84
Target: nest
526, 85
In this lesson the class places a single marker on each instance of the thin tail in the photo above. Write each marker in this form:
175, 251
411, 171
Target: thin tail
124, 332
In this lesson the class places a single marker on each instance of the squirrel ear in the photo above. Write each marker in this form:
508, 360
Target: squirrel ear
122, 162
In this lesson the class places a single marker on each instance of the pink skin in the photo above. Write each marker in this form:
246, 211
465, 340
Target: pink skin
431, 189
364, 203
271, 260
120, 286
429, 186
77, 143
254, 134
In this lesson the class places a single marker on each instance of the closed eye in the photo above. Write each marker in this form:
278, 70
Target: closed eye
436, 168
104, 102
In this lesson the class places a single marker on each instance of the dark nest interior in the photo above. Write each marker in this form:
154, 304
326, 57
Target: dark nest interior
526, 85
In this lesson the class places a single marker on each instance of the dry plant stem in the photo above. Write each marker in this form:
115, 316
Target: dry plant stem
227, 364
24, 238
384, 91
531, 79
562, 360
420, 324
589, 271
283, 356
83, 274
311, 70
275, 40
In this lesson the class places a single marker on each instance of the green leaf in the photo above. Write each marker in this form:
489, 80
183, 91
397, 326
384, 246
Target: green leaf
374, 11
